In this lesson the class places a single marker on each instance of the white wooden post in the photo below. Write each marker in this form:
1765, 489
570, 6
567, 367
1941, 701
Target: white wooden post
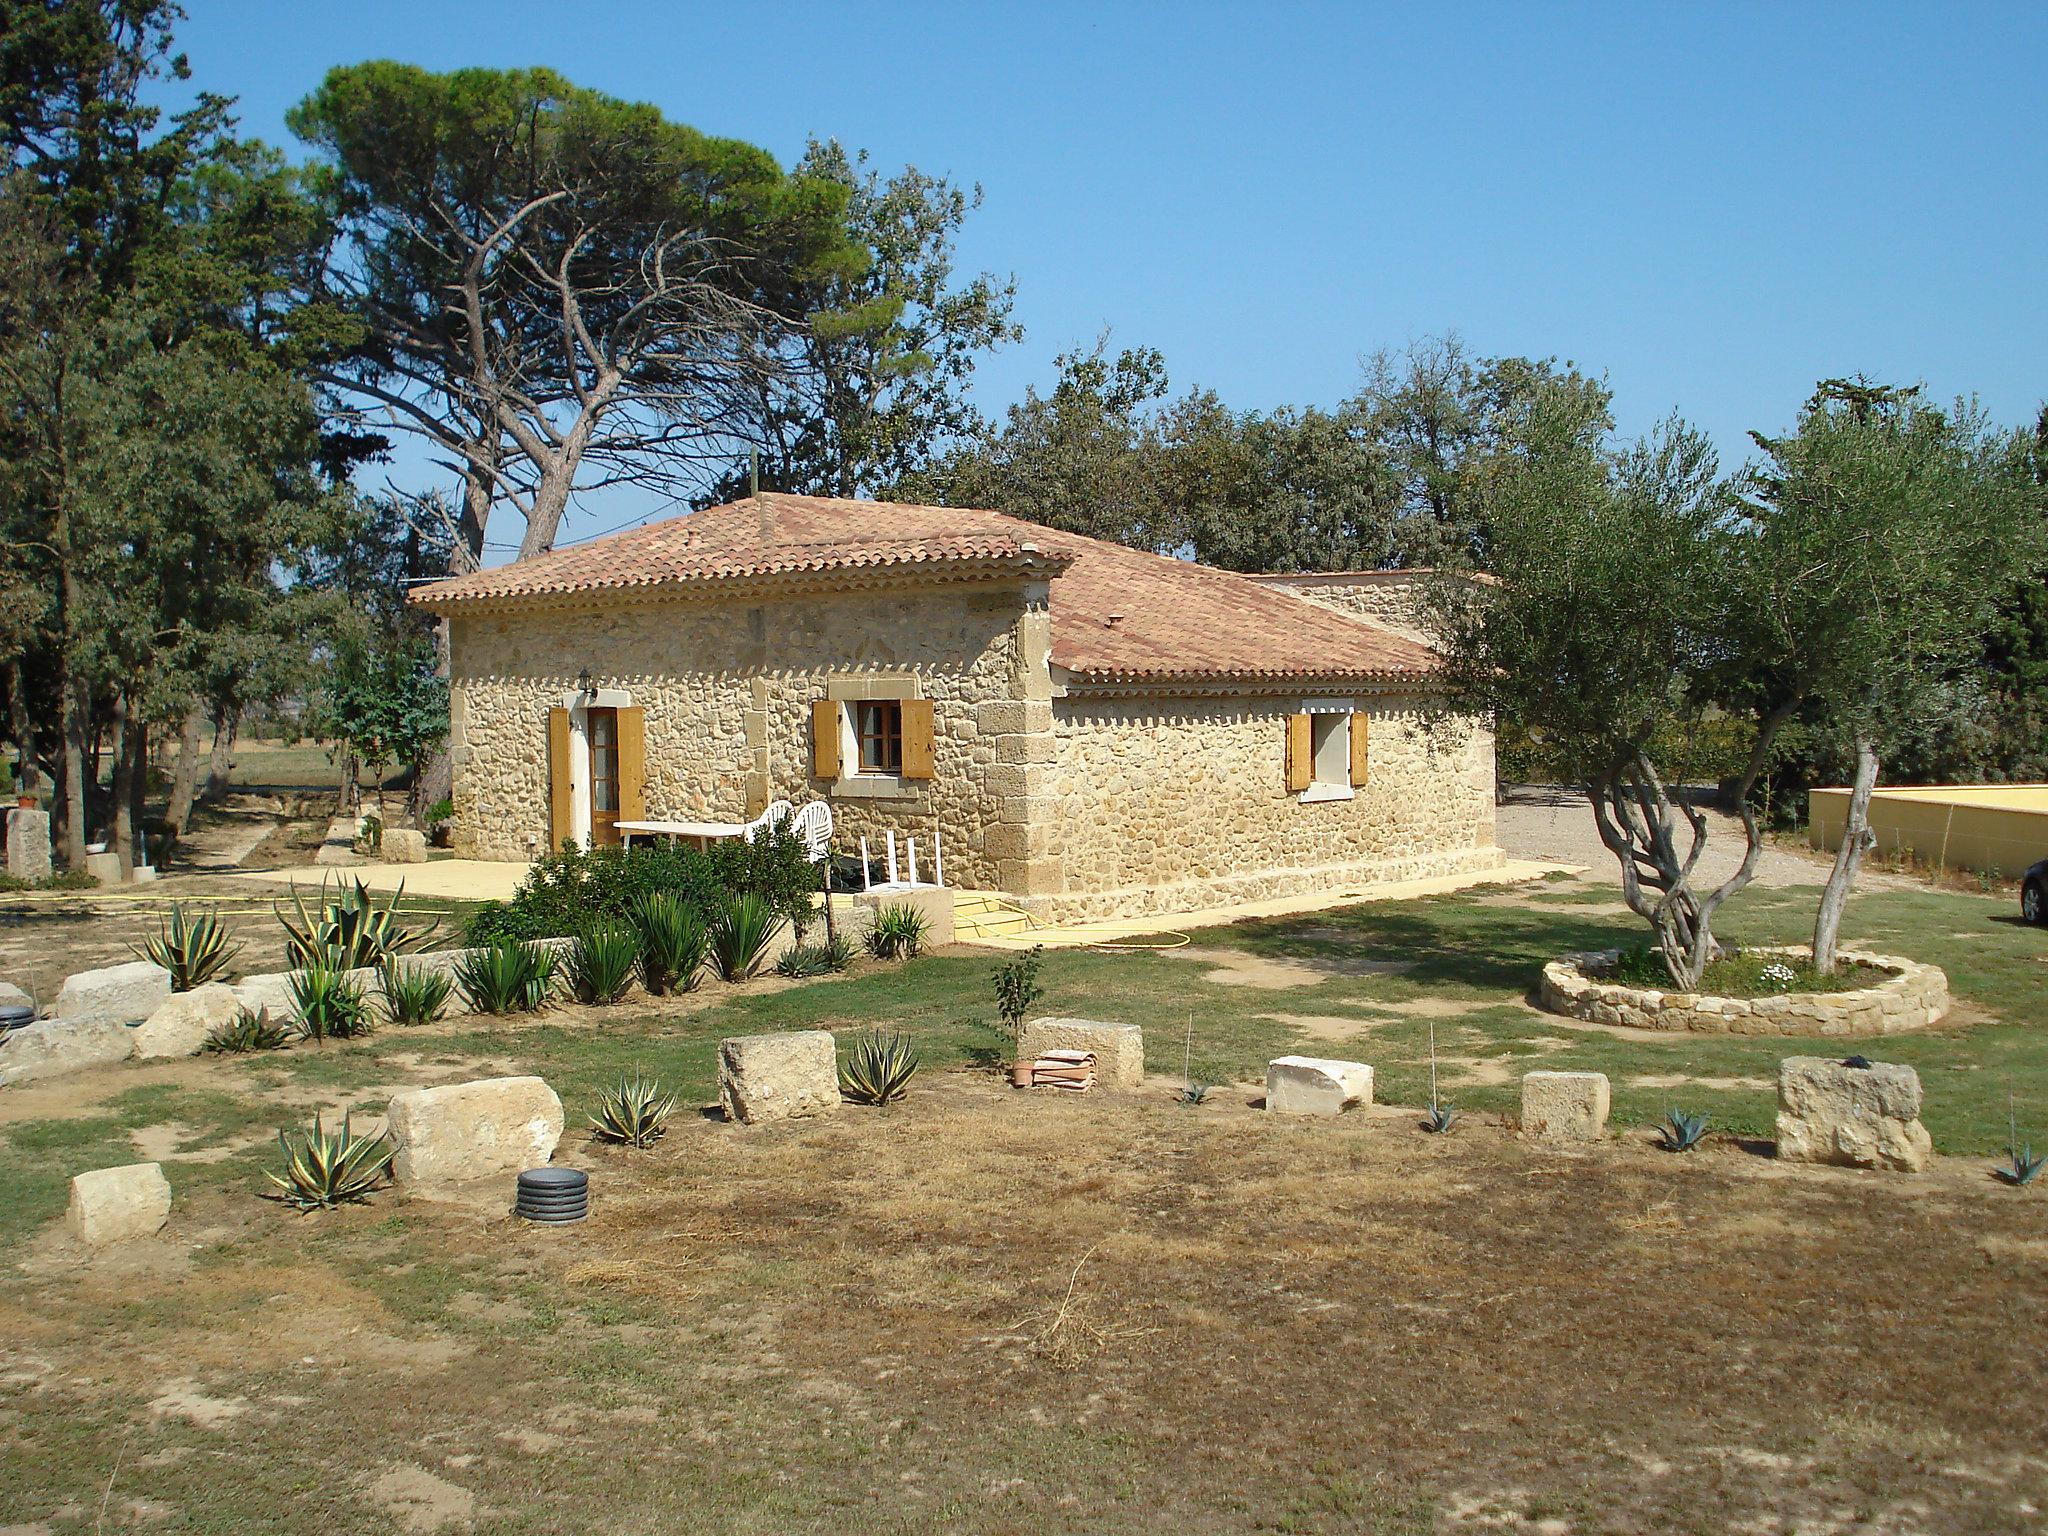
867, 882
892, 856
938, 858
913, 862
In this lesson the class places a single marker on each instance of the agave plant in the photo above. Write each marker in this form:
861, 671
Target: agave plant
673, 942
328, 1004
194, 951
2021, 1166
507, 977
1193, 1094
322, 1171
1439, 1118
350, 931
601, 962
879, 1069
413, 994
634, 1114
835, 954
740, 936
251, 1029
1681, 1132
899, 933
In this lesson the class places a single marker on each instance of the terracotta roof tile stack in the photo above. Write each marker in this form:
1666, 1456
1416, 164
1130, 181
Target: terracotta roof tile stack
1071, 1070
1119, 615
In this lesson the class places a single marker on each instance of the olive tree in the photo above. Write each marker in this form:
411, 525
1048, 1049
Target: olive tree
1881, 534
1606, 636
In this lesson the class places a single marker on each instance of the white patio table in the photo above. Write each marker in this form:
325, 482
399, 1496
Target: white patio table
698, 832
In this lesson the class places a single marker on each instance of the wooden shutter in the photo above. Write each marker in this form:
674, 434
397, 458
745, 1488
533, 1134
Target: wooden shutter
1301, 762
1361, 729
917, 739
632, 763
561, 817
825, 739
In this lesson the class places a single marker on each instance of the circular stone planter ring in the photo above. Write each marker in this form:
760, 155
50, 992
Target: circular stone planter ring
1903, 995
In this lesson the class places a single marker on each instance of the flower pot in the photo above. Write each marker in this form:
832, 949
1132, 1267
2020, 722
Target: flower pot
26, 802
1020, 1075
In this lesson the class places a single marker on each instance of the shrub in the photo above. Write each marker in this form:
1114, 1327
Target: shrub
413, 994
740, 936
194, 952
251, 1029
899, 932
634, 1114
330, 1006
324, 1171
371, 837
507, 978
1017, 989
835, 954
440, 815
351, 931
879, 1069
673, 942
601, 962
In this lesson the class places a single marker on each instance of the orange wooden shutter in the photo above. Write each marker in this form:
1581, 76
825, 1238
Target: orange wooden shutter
632, 763
1361, 727
825, 739
561, 823
917, 739
1300, 756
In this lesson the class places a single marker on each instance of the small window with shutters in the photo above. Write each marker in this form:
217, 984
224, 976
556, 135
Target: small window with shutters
878, 729
868, 745
1326, 750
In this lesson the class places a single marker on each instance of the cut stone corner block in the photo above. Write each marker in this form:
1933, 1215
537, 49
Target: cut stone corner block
1565, 1106
1852, 1116
118, 1205
791, 1076
1119, 1049
1316, 1085
28, 843
476, 1130
402, 845
128, 992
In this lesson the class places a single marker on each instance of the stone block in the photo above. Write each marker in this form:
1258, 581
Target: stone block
269, 992
180, 1026
28, 843
122, 992
118, 1205
443, 1137
1315, 1085
12, 996
54, 1047
1565, 1106
1858, 1117
402, 845
104, 867
1119, 1048
778, 1077
936, 905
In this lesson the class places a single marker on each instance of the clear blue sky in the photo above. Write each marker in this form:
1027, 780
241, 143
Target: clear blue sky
1715, 205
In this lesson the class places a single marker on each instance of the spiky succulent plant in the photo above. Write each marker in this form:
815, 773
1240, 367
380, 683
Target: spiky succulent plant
634, 1114
879, 1068
195, 950
323, 1170
1681, 1132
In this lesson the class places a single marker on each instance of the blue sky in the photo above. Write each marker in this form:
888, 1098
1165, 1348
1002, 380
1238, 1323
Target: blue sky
1713, 205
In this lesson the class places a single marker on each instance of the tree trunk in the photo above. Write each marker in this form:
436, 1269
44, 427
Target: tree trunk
77, 728
22, 727
125, 769
226, 720
185, 775
1856, 837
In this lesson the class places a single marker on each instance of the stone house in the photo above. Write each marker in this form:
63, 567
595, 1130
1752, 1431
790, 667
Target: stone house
1089, 729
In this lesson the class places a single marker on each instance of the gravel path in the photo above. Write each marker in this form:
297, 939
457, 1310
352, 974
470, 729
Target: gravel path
1550, 822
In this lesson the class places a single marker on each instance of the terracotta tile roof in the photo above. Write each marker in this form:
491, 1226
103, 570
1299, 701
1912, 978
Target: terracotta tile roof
1118, 614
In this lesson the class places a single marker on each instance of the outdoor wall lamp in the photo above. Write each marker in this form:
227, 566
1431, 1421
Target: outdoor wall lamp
585, 686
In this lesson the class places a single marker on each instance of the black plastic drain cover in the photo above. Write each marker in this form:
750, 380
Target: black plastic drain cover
15, 1016
554, 1194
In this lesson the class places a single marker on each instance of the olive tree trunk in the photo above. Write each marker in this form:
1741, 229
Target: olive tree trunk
1856, 838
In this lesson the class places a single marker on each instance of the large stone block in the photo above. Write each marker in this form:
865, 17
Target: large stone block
778, 1077
118, 1205
53, 1047
180, 1026
121, 992
28, 843
1859, 1117
1315, 1085
936, 905
448, 1136
402, 845
1119, 1048
1565, 1106
105, 868
12, 996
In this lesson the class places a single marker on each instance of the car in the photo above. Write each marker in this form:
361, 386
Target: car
2034, 894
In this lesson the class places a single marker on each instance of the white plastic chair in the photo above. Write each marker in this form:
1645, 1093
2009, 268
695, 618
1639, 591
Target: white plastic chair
814, 826
776, 814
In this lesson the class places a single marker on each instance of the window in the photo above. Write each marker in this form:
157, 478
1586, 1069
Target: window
878, 728
1328, 752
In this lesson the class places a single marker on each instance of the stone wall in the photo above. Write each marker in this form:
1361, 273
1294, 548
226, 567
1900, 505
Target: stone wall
1165, 805
1902, 995
1389, 598
728, 687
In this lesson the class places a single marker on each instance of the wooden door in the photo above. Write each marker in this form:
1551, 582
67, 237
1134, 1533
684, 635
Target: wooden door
602, 725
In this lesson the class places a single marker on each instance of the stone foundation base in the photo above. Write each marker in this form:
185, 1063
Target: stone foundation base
1903, 995
1257, 885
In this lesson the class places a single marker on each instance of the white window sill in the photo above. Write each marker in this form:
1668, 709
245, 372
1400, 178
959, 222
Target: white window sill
877, 786
1316, 792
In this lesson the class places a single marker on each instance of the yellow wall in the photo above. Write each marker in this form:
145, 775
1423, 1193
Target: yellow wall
2001, 827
